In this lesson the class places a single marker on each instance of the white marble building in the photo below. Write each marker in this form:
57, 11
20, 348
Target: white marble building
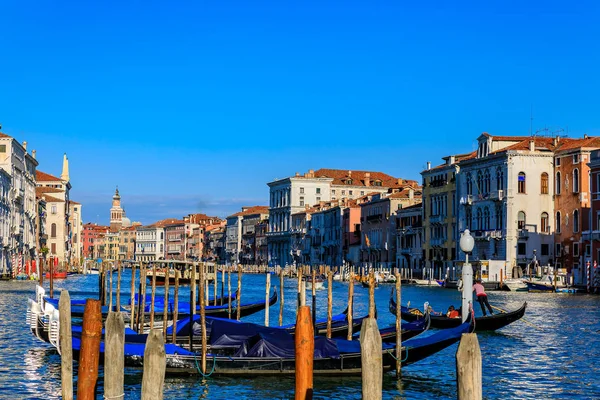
149, 243
18, 204
505, 199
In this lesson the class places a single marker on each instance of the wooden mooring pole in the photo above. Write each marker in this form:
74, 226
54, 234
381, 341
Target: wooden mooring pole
267, 292
371, 360
203, 316
132, 299
329, 302
299, 273
398, 326
350, 304
468, 368
239, 293
175, 306
166, 300
314, 300
153, 298
281, 295
305, 350
155, 365
229, 291
114, 358
66, 345
89, 355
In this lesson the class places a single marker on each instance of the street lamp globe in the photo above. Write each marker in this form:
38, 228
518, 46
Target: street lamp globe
466, 242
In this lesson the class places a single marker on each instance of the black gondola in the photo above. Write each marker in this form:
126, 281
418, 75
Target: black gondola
239, 348
488, 323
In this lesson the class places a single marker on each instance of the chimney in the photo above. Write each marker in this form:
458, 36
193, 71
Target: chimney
585, 135
531, 145
428, 165
65, 169
411, 194
297, 174
400, 181
25, 146
367, 179
451, 160
349, 173
33, 154
311, 173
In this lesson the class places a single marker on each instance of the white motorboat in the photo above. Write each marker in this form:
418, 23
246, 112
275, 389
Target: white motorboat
427, 282
515, 284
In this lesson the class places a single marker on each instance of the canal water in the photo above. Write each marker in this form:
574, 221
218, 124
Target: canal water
554, 355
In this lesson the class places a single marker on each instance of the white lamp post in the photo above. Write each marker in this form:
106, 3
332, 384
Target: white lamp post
466, 245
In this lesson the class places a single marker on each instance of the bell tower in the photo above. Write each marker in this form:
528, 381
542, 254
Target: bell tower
116, 212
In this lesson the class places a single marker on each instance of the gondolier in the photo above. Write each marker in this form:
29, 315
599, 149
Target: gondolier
482, 297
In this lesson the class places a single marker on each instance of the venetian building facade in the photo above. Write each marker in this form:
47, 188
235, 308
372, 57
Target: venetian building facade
76, 223
573, 204
19, 207
58, 208
506, 201
440, 228
149, 243
409, 250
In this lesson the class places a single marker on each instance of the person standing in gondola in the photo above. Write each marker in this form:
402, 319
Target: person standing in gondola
482, 297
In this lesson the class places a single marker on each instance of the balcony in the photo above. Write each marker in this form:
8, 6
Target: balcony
374, 218
523, 234
437, 242
436, 219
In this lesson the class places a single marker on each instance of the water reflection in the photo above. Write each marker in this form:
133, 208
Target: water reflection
554, 358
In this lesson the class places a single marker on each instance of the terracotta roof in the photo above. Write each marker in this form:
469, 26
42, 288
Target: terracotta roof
411, 207
358, 177
540, 143
40, 190
74, 202
565, 144
506, 138
50, 199
403, 195
252, 210
169, 221
3, 135
44, 177
458, 158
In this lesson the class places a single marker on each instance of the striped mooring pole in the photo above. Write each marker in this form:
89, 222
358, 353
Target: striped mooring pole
587, 264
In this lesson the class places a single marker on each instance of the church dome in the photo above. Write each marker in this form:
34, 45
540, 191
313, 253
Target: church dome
126, 222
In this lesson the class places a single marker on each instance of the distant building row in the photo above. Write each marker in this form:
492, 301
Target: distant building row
37, 217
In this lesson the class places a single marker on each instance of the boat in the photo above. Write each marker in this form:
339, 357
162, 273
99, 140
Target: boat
408, 330
366, 284
441, 321
57, 275
515, 285
183, 308
240, 348
427, 282
319, 283
547, 283
339, 325
185, 277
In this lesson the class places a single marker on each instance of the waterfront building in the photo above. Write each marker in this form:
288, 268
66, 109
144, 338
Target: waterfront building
378, 225
506, 200
76, 230
262, 251
572, 203
175, 240
352, 231
291, 195
19, 213
249, 246
40, 223
127, 243
214, 237
300, 235
111, 246
440, 228
409, 240
149, 243
92, 233
234, 233
57, 192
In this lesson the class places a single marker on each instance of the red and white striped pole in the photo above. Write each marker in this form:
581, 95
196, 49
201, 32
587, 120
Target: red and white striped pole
588, 275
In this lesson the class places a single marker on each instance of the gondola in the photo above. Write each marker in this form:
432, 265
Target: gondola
339, 325
488, 323
408, 330
240, 348
366, 284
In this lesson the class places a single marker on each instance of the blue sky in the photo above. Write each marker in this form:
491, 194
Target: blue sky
194, 106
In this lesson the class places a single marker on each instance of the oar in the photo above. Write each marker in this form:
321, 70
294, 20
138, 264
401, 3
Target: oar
522, 319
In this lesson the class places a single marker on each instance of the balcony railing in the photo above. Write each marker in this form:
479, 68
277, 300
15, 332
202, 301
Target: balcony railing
376, 217
436, 219
523, 234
